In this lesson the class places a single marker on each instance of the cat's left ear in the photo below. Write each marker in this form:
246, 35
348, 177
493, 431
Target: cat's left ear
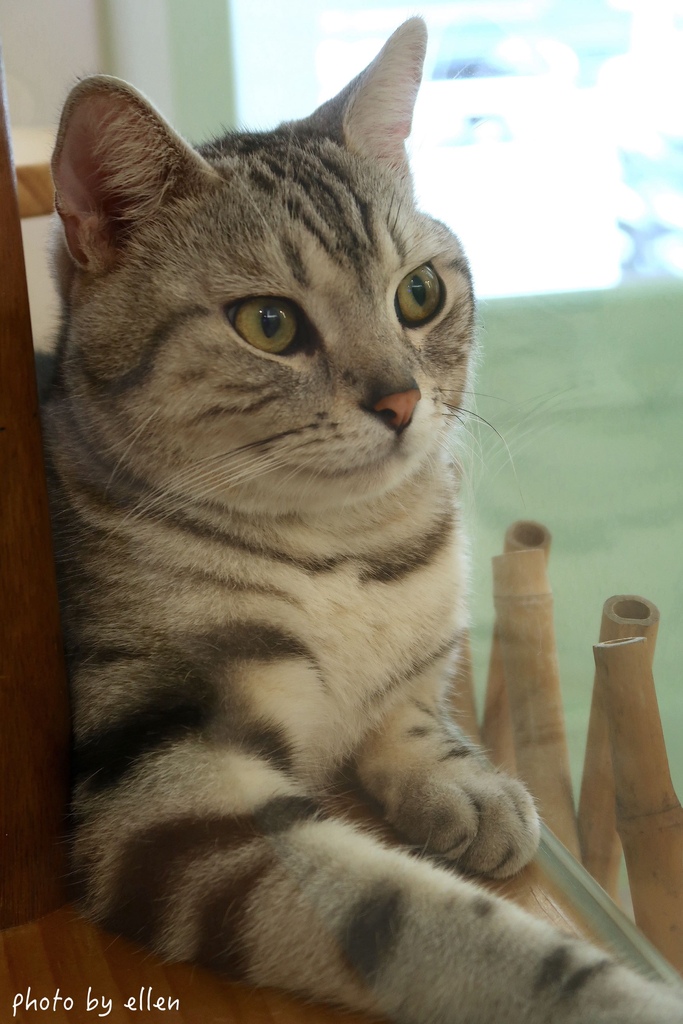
116, 163
374, 113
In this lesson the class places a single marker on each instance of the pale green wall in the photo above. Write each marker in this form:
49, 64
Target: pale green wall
201, 58
589, 397
179, 53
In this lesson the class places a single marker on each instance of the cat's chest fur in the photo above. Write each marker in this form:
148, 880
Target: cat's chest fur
371, 638
353, 609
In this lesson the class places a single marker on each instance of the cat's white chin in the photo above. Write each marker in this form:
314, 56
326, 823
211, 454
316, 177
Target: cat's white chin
317, 490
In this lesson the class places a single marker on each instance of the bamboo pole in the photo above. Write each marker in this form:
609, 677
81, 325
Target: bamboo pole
462, 703
623, 616
649, 815
524, 611
496, 726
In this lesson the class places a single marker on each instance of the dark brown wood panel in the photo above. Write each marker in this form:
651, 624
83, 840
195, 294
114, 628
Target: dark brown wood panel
34, 726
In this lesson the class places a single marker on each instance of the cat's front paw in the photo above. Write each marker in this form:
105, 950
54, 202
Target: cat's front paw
483, 820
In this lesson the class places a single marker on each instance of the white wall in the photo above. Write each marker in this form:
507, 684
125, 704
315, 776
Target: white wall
139, 41
178, 52
47, 45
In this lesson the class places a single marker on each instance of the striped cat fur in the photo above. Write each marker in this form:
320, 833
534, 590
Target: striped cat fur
262, 571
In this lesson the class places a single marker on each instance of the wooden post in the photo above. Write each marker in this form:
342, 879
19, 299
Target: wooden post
524, 611
497, 724
33, 697
649, 816
623, 616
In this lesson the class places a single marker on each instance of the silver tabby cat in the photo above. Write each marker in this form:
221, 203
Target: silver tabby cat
261, 566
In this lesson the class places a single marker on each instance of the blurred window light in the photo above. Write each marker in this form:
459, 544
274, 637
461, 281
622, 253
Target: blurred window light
548, 133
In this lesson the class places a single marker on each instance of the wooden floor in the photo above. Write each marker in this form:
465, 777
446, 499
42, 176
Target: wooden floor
62, 957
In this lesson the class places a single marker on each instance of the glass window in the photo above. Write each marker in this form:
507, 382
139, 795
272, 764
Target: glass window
548, 133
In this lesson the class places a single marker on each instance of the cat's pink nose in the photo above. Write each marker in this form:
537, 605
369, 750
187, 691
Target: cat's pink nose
398, 409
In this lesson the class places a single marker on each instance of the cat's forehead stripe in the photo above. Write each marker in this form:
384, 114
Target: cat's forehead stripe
295, 261
316, 197
320, 192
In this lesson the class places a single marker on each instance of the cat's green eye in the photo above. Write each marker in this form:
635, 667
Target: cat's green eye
268, 324
418, 297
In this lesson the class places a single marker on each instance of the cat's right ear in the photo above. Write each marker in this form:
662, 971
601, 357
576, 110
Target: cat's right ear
373, 115
116, 161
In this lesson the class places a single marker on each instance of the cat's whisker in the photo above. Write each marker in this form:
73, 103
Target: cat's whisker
170, 491
228, 477
194, 488
459, 413
529, 427
304, 488
519, 441
466, 437
188, 478
479, 394
132, 438
454, 451
464, 467
226, 485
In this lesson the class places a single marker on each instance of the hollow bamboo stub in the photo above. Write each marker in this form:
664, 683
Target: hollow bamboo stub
527, 533
623, 615
520, 574
641, 766
496, 726
524, 611
649, 815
